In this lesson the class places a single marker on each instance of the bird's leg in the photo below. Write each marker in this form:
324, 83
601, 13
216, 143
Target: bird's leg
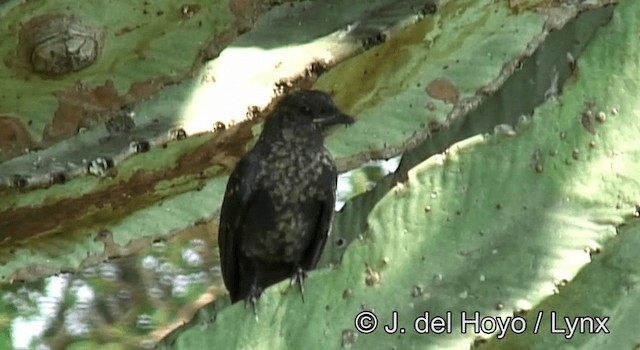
252, 298
254, 292
298, 277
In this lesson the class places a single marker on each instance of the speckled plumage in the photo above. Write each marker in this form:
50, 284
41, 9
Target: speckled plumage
279, 201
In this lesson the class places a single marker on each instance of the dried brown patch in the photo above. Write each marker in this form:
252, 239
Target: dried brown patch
443, 89
81, 106
14, 137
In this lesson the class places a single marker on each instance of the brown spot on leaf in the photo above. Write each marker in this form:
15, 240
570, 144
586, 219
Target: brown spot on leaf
81, 106
14, 137
443, 89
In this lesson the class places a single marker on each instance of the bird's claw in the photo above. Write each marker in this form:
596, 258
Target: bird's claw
252, 299
298, 278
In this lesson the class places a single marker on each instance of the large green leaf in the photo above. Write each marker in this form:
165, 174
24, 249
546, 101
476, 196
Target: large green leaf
497, 224
500, 220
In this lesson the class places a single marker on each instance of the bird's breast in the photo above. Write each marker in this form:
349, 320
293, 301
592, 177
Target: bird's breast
294, 175
297, 185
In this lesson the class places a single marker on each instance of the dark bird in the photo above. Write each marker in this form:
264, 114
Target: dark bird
280, 198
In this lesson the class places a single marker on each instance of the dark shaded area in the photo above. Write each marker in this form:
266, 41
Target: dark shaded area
311, 17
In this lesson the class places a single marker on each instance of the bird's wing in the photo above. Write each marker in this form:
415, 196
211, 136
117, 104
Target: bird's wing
238, 193
327, 203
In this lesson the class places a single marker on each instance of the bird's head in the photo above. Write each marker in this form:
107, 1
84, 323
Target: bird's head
306, 112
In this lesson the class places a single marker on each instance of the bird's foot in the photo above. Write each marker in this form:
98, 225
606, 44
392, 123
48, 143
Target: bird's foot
298, 278
252, 299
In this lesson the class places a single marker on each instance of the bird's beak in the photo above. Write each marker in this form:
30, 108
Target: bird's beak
339, 118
